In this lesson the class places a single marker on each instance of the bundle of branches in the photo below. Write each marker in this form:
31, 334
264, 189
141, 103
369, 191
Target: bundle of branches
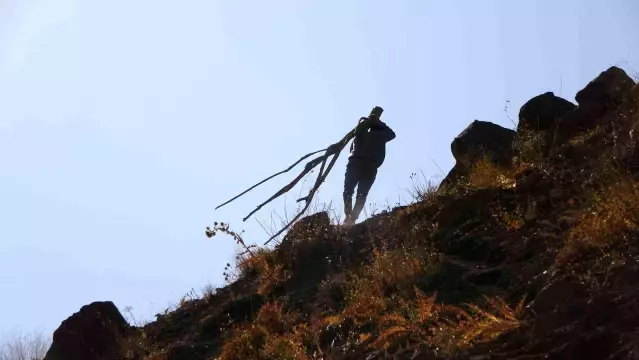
333, 150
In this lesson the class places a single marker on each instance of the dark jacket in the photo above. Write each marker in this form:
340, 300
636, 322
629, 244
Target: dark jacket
370, 141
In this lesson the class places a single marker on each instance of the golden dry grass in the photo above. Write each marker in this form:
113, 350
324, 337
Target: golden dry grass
485, 174
614, 214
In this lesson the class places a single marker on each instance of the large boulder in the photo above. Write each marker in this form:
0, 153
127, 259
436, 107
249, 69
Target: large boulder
479, 139
483, 138
544, 113
556, 120
610, 87
93, 333
606, 92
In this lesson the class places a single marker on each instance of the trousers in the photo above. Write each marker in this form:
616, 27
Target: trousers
360, 173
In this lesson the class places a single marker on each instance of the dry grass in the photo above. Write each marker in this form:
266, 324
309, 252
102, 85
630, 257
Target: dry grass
272, 317
481, 325
485, 174
208, 292
399, 268
264, 264
273, 335
422, 189
514, 219
448, 329
284, 348
613, 216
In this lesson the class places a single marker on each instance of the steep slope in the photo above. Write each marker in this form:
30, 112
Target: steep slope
529, 249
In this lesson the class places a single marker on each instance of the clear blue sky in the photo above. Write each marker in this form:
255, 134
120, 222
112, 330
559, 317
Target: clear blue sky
123, 123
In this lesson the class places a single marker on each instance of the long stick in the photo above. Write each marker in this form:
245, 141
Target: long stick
317, 181
309, 166
333, 150
308, 203
270, 177
309, 197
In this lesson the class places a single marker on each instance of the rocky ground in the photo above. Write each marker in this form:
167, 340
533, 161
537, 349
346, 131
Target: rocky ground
527, 250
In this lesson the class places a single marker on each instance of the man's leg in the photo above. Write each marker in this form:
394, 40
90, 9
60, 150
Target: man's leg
368, 172
350, 181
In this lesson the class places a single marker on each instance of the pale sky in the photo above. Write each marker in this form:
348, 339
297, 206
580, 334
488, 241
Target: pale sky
124, 123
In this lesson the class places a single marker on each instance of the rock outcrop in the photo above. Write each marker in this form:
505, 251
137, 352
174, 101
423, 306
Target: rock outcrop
483, 138
548, 116
544, 113
610, 87
480, 139
607, 91
93, 333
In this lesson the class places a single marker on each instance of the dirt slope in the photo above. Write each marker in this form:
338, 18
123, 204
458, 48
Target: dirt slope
528, 250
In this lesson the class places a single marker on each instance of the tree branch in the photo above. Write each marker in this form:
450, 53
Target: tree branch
270, 177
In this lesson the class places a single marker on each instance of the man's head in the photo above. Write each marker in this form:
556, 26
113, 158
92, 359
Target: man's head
376, 112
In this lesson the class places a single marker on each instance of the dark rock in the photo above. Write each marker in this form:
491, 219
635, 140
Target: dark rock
565, 289
530, 179
611, 86
607, 91
483, 138
479, 139
93, 333
453, 177
309, 226
457, 210
487, 277
544, 113
246, 308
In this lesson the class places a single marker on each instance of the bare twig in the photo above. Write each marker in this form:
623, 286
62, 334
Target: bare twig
508, 114
270, 177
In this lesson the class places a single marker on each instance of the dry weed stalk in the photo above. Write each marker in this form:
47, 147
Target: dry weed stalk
260, 260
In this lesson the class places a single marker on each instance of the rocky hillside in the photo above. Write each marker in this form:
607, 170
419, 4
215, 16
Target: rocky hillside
528, 250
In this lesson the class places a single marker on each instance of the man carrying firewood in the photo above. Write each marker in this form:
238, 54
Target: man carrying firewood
367, 155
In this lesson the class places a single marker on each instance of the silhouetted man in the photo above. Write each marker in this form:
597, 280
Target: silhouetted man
368, 153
